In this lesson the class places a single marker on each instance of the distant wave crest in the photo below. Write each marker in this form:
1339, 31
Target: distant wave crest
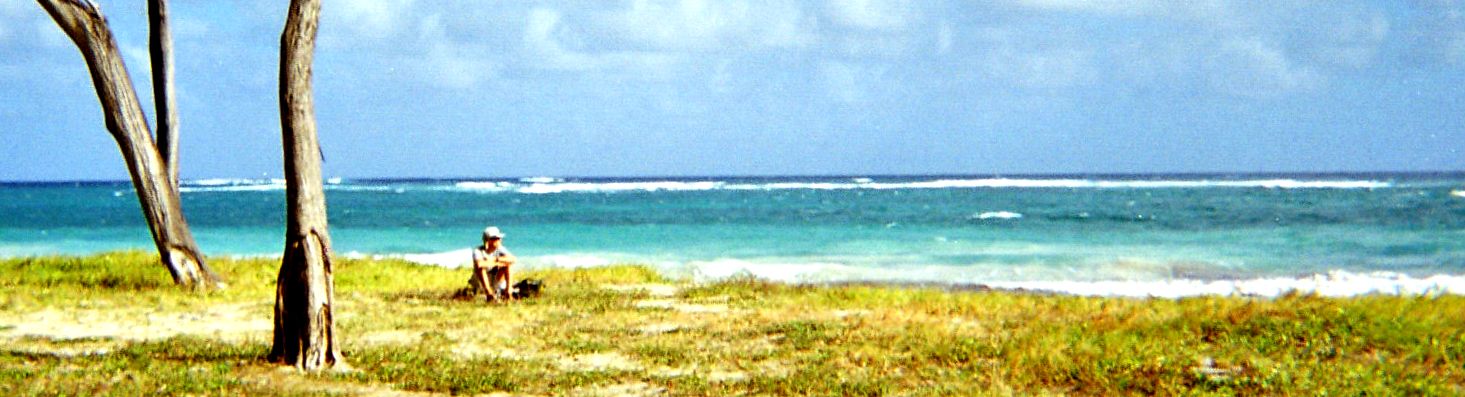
231, 185
266, 185
547, 186
999, 215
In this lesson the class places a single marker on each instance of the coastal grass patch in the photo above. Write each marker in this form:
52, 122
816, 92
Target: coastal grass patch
117, 270
175, 366
601, 329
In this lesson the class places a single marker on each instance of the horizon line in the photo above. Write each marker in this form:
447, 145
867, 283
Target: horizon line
1023, 175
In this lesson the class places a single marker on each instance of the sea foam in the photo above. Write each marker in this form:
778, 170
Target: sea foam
450, 259
545, 185
232, 185
1335, 283
999, 215
542, 188
268, 185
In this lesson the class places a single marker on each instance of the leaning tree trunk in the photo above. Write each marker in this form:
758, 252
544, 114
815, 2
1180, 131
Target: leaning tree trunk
156, 191
305, 290
165, 104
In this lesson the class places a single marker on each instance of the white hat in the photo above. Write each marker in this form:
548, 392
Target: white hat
492, 232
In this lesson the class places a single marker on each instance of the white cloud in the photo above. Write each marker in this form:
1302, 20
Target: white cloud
372, 19
544, 43
1219, 11
1236, 48
884, 15
701, 25
1097, 6
879, 29
637, 39
680, 24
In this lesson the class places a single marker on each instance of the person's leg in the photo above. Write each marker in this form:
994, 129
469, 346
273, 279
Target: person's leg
507, 292
493, 284
481, 281
501, 282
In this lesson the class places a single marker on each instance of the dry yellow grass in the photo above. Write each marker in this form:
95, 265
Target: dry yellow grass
82, 325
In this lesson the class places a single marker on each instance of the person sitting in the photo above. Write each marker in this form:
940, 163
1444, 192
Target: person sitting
491, 262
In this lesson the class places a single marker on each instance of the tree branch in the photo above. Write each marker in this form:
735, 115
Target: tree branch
165, 104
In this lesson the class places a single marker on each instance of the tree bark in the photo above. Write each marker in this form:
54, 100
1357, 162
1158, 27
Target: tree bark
305, 290
156, 192
165, 104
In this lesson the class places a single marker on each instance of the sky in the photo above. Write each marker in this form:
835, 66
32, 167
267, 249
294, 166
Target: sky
460, 88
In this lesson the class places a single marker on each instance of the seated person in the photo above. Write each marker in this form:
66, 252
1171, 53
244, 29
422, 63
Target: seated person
491, 262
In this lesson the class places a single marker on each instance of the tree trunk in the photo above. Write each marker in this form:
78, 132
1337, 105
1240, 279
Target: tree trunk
305, 290
165, 104
156, 192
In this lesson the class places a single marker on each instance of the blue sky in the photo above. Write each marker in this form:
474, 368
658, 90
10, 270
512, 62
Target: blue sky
449, 88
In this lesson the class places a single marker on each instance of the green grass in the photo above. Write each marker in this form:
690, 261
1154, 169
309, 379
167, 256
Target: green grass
402, 329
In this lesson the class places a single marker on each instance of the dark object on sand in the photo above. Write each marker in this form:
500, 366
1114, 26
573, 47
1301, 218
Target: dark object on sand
527, 288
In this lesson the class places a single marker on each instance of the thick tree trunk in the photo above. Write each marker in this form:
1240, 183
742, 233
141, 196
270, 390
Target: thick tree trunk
165, 104
156, 192
305, 290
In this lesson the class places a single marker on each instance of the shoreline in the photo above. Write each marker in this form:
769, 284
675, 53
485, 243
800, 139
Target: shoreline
1332, 283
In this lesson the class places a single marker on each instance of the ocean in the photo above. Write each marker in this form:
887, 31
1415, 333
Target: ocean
1120, 235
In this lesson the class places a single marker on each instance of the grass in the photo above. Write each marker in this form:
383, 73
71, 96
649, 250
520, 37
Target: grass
603, 331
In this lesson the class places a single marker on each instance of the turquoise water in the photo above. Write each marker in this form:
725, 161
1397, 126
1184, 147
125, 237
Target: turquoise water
953, 229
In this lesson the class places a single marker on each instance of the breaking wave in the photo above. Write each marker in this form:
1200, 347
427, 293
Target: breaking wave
1332, 283
998, 215
549, 185
231, 185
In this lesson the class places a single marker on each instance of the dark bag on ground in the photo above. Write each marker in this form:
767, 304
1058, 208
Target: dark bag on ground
528, 288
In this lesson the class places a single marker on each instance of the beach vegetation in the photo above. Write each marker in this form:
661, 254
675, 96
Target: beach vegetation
151, 162
626, 330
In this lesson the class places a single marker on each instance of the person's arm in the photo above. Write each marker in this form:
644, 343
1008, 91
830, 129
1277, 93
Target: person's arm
478, 258
505, 258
